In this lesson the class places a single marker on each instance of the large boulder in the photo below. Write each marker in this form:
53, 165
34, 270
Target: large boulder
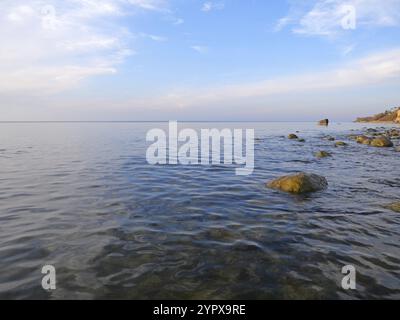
299, 183
382, 142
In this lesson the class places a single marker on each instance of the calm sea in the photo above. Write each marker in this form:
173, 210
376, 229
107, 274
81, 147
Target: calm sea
81, 197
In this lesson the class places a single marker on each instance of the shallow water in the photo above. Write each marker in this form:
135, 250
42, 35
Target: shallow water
81, 197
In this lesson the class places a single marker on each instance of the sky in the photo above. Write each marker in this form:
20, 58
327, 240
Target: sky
224, 60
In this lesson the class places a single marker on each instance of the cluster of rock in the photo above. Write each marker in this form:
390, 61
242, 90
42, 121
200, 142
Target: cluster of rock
300, 183
377, 138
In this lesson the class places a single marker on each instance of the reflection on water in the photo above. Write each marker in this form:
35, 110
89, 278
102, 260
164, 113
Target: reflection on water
82, 197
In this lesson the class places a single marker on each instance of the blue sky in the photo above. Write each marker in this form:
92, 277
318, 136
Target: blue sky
198, 60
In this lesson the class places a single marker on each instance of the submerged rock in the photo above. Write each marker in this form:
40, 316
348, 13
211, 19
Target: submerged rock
299, 183
393, 132
340, 144
363, 140
394, 207
323, 154
353, 136
301, 140
329, 138
293, 136
382, 142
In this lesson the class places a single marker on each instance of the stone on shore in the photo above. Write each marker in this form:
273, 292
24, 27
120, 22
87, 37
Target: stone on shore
382, 142
299, 183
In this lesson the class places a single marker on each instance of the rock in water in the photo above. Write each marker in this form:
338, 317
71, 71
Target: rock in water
293, 136
394, 207
340, 144
322, 154
382, 142
299, 183
324, 122
363, 140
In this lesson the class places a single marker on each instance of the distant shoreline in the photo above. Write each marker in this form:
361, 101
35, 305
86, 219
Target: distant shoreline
389, 117
377, 121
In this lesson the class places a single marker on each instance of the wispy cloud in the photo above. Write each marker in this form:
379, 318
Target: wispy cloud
373, 69
157, 5
52, 45
325, 18
200, 49
282, 23
153, 37
211, 6
178, 21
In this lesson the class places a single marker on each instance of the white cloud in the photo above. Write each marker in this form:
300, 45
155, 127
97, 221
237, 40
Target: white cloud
178, 21
282, 23
348, 49
200, 49
154, 37
157, 5
210, 6
51, 45
326, 16
373, 69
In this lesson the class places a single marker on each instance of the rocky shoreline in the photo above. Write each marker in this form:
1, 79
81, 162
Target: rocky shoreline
389, 116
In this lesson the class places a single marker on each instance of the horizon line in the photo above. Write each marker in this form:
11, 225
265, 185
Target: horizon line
164, 121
